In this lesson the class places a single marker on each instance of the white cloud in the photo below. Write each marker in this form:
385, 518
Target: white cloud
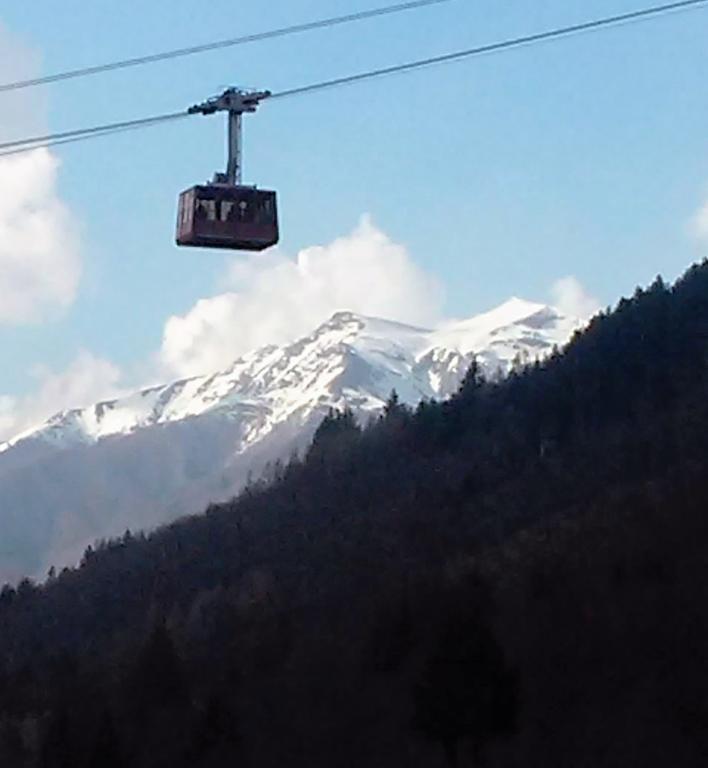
572, 299
8, 418
699, 223
40, 264
268, 299
86, 380
23, 111
273, 299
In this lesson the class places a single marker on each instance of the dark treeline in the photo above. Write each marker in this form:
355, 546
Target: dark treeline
515, 577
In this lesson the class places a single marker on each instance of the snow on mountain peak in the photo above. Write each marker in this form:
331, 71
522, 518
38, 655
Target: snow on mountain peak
349, 359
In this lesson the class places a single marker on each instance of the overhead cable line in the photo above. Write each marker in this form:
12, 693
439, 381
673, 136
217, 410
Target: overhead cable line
517, 42
219, 44
49, 140
96, 133
80, 133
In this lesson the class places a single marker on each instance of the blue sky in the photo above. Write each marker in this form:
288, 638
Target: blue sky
584, 157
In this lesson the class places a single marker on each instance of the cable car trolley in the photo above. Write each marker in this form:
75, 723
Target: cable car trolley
226, 213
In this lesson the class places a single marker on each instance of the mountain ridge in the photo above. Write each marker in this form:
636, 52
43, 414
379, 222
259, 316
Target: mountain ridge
167, 450
162, 403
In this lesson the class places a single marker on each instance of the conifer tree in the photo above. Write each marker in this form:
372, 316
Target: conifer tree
467, 692
107, 751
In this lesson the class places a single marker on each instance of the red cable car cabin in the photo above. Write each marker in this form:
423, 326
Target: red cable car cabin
227, 216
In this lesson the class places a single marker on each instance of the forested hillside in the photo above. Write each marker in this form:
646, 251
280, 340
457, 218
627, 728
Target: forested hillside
513, 577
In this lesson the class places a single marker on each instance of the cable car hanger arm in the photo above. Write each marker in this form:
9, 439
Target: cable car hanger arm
236, 102
231, 100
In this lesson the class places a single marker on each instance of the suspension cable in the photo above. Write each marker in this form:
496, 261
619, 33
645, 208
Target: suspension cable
96, 133
517, 42
79, 133
219, 44
49, 140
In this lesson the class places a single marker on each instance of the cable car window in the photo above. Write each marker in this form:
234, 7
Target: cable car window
244, 211
265, 210
228, 210
205, 210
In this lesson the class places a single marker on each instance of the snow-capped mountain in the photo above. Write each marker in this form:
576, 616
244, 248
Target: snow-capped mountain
350, 359
166, 450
